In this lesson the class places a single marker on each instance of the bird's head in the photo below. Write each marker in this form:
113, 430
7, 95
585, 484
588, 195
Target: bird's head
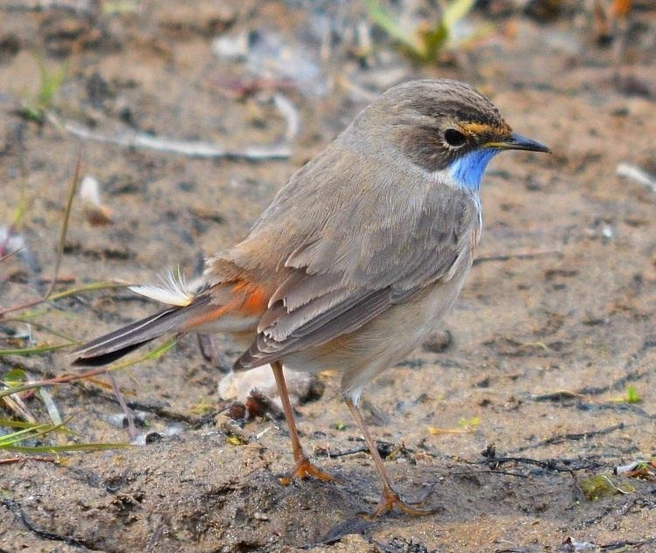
447, 126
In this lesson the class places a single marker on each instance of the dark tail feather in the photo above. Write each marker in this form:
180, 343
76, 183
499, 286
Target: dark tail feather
122, 341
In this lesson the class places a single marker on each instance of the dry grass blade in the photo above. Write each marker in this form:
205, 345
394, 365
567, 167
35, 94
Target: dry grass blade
154, 354
9, 442
60, 248
64, 230
37, 350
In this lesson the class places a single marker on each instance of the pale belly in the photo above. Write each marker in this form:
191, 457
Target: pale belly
384, 341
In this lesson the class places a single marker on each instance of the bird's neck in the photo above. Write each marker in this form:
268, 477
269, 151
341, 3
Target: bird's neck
467, 170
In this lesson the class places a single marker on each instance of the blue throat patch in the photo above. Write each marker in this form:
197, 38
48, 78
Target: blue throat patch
468, 170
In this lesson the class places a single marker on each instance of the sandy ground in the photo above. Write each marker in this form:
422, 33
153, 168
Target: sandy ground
554, 325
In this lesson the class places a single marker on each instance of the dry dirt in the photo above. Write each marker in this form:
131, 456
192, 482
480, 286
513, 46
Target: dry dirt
554, 326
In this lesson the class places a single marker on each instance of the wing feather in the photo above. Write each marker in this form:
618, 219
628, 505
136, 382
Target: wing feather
312, 308
355, 232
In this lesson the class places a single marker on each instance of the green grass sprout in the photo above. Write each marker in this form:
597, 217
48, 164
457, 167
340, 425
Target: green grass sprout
50, 81
426, 42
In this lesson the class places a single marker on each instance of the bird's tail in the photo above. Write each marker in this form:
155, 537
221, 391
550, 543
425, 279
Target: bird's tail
234, 308
120, 342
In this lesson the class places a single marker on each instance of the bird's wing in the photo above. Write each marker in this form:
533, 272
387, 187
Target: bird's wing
363, 265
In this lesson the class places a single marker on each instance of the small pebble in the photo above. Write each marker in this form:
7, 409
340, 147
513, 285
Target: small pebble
146, 438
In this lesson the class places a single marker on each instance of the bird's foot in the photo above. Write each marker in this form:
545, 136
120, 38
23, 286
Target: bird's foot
391, 500
305, 469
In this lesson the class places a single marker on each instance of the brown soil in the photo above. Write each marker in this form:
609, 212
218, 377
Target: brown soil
555, 322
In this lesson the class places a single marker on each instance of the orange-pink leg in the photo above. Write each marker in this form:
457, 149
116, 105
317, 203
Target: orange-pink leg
390, 498
303, 467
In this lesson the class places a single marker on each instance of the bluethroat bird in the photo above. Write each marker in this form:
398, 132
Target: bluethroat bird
356, 260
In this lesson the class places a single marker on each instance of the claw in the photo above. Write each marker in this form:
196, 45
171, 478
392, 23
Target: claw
391, 500
305, 469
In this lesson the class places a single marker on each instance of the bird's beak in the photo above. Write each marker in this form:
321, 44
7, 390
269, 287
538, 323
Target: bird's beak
518, 142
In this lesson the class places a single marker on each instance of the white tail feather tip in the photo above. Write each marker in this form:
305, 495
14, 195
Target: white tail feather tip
172, 290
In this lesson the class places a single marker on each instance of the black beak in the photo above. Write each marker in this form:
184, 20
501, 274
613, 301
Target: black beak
518, 142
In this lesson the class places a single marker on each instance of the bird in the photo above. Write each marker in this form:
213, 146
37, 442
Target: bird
356, 260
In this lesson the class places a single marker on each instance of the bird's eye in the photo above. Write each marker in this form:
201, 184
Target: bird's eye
454, 138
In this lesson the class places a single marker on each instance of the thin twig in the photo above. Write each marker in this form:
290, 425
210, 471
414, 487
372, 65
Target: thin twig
22, 458
192, 148
572, 437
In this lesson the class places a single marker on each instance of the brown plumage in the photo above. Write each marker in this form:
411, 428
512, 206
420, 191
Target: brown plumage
358, 257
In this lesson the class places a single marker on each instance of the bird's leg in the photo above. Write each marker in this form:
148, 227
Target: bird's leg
303, 467
390, 497
132, 429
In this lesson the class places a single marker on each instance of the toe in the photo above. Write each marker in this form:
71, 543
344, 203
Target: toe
305, 469
391, 500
